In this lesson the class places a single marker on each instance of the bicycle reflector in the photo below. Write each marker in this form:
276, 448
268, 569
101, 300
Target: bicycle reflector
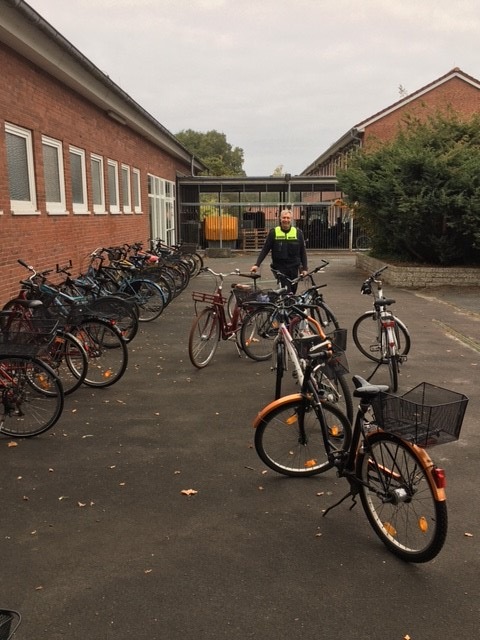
439, 477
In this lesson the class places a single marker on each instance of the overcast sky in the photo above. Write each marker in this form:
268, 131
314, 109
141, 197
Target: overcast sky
283, 80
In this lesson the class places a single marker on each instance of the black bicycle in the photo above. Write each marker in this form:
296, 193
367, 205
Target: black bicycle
401, 489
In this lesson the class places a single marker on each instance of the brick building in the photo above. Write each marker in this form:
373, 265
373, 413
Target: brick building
81, 163
454, 91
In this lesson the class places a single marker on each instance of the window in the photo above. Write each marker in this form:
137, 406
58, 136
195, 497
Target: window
126, 189
161, 197
79, 180
53, 175
21, 176
113, 192
137, 203
98, 184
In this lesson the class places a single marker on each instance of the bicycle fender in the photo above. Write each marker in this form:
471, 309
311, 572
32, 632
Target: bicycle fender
275, 405
422, 453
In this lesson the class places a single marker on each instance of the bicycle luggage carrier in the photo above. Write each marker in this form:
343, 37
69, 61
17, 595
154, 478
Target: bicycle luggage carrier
200, 296
426, 415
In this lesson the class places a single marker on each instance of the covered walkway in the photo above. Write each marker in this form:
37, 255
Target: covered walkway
237, 212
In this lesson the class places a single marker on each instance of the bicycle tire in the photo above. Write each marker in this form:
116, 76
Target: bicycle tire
338, 393
325, 317
204, 338
258, 332
67, 357
393, 370
148, 296
33, 398
106, 351
279, 367
366, 339
119, 310
278, 439
198, 260
414, 527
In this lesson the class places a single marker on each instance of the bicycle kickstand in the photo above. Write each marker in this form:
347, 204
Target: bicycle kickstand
350, 493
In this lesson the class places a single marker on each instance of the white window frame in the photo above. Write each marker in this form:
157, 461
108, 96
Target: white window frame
80, 207
126, 193
113, 208
57, 208
136, 191
98, 207
25, 207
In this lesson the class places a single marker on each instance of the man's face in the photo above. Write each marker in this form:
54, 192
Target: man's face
286, 221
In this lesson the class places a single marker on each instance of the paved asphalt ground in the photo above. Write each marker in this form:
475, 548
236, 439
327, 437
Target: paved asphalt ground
98, 541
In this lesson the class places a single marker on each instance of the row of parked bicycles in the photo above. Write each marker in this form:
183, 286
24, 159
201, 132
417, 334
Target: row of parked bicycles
61, 332
380, 449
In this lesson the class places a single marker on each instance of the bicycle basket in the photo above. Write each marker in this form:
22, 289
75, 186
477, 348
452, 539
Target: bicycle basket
9, 622
24, 339
426, 415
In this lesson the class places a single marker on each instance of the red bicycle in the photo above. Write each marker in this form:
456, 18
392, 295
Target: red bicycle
216, 321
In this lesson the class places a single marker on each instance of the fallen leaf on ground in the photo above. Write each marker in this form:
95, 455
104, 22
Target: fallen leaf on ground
12, 444
189, 492
468, 535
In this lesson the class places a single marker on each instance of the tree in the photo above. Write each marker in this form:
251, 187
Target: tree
419, 195
214, 151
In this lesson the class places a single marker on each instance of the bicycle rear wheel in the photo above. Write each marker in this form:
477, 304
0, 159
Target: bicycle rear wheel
258, 332
31, 397
106, 351
204, 337
148, 296
397, 495
287, 448
365, 334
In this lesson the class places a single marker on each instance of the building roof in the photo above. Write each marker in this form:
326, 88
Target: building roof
26, 32
357, 130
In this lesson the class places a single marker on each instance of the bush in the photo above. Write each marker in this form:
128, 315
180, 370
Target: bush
419, 195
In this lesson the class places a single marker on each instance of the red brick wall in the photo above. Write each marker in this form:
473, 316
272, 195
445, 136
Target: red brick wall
463, 98
31, 99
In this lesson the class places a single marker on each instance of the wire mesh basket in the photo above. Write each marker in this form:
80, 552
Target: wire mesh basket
246, 293
26, 337
426, 415
9, 622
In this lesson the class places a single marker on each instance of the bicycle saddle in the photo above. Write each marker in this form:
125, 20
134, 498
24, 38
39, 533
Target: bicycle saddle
383, 302
363, 388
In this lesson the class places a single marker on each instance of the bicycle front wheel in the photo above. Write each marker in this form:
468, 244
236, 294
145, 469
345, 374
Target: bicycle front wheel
67, 357
257, 336
366, 336
289, 438
279, 367
106, 351
204, 337
32, 397
398, 499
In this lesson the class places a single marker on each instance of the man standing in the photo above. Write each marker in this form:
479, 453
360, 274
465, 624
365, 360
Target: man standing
289, 255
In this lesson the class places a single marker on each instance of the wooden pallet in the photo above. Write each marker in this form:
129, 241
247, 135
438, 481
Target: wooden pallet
253, 238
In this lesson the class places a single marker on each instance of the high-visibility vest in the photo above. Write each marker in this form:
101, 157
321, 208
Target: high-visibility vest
289, 235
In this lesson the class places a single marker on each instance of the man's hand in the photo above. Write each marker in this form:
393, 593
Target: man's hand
304, 273
254, 269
